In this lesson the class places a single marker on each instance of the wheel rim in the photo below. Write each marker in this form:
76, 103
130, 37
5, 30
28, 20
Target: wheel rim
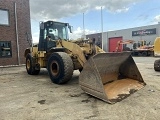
54, 68
28, 64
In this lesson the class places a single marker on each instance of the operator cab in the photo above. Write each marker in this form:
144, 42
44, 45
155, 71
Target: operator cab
51, 31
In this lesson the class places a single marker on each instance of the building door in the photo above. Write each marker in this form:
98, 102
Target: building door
113, 43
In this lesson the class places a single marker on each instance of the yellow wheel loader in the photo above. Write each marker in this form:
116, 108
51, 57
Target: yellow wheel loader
157, 54
108, 76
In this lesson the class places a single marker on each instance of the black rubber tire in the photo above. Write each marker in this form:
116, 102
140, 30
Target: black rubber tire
60, 67
144, 53
156, 65
30, 66
156, 69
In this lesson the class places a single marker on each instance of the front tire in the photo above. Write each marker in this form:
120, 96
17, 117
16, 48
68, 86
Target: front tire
60, 67
30, 65
157, 65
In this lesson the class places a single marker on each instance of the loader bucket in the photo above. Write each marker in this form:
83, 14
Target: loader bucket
111, 76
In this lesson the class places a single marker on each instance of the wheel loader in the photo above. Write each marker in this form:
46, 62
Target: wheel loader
110, 77
157, 54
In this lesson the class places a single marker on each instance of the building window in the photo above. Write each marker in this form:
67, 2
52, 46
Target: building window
5, 49
4, 17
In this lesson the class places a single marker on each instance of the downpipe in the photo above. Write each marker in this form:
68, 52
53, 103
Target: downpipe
17, 35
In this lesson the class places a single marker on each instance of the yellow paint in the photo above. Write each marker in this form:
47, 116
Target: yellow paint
41, 53
157, 47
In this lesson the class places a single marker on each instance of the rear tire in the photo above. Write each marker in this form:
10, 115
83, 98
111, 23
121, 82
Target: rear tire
60, 67
30, 65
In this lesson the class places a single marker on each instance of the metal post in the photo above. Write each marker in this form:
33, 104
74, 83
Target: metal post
15, 8
102, 26
83, 27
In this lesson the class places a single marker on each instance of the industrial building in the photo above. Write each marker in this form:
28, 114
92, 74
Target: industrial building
110, 38
15, 30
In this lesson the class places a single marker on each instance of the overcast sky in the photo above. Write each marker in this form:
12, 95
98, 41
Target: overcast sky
117, 14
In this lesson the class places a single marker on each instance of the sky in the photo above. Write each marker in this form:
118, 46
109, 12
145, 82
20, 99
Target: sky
116, 14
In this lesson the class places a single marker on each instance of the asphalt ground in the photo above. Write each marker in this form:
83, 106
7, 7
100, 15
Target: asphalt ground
26, 97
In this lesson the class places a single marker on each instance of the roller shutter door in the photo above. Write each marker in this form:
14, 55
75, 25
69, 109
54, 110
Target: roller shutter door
113, 43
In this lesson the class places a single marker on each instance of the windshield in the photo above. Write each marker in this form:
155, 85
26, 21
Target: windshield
58, 31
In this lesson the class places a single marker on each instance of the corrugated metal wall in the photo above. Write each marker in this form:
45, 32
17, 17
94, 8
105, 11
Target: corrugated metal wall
127, 35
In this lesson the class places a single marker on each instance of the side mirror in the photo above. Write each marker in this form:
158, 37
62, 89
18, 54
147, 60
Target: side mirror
41, 25
70, 28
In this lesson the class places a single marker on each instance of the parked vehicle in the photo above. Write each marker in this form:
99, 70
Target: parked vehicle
107, 76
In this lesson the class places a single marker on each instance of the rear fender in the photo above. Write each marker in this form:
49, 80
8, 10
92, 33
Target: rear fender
26, 52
